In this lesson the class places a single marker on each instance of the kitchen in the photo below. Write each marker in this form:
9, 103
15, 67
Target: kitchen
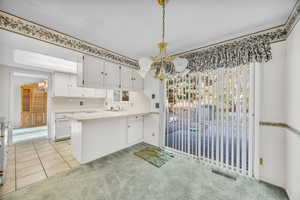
75, 90
133, 116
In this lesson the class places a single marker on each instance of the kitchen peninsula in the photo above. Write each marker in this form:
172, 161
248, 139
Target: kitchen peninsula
98, 134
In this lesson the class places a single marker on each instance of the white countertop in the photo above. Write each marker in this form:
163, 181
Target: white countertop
105, 114
74, 110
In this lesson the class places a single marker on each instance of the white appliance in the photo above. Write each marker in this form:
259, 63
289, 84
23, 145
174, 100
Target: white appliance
62, 127
3, 150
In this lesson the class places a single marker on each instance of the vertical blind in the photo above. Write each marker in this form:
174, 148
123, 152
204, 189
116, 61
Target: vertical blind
208, 117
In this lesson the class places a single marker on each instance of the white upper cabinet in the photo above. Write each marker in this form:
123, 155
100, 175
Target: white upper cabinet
102, 74
112, 76
93, 72
65, 85
61, 84
126, 78
137, 81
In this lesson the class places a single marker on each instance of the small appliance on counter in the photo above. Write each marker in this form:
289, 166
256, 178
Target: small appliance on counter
114, 108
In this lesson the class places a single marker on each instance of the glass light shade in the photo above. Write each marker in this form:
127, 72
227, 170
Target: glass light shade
145, 64
180, 64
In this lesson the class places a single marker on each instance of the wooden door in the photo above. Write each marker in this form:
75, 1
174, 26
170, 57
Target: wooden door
34, 105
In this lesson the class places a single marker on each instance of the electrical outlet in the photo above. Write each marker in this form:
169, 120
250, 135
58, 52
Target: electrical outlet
153, 134
261, 161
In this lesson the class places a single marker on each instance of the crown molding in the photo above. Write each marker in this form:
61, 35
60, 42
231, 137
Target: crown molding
30, 29
281, 31
293, 18
277, 34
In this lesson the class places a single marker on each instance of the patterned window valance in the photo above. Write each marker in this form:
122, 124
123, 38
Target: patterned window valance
252, 49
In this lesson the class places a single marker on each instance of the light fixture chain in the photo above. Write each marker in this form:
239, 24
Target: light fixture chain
163, 23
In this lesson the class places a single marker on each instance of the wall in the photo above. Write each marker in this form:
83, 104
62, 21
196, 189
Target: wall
4, 91
272, 139
60, 104
6, 108
292, 107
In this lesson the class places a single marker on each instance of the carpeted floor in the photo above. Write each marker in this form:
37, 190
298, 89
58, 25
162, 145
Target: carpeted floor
124, 176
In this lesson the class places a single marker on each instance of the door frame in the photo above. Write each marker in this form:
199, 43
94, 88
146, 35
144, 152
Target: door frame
255, 81
11, 114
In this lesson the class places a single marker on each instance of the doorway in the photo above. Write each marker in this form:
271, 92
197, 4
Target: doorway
29, 105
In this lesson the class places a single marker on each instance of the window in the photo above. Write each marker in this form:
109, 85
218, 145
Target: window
121, 96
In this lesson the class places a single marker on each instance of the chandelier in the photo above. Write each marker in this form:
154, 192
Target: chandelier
163, 66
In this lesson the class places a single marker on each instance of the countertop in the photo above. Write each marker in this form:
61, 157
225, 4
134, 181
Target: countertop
74, 110
105, 114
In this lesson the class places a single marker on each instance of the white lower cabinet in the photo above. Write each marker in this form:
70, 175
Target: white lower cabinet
151, 129
135, 130
62, 129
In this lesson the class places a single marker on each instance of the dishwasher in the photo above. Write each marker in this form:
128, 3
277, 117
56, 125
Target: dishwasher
62, 127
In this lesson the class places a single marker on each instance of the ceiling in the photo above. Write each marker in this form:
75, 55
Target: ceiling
133, 27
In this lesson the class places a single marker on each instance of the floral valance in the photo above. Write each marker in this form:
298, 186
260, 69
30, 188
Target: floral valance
244, 51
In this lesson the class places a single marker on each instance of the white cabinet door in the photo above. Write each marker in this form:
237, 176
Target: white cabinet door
112, 76
135, 131
62, 129
126, 78
72, 80
137, 81
93, 72
61, 84
151, 129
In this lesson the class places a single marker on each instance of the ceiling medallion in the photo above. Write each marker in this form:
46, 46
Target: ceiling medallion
163, 66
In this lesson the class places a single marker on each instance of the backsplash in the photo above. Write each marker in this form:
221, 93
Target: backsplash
69, 103
137, 102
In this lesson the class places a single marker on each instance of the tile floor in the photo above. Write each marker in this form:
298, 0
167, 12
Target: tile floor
36, 160
24, 134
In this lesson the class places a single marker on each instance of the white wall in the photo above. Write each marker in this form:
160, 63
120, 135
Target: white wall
152, 86
292, 107
6, 108
272, 139
61, 104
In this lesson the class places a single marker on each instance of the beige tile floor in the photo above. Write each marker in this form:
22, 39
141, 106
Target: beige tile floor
33, 161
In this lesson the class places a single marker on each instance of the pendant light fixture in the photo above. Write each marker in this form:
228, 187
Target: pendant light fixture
163, 66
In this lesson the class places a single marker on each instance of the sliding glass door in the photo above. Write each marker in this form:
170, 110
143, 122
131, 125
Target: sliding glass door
208, 116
